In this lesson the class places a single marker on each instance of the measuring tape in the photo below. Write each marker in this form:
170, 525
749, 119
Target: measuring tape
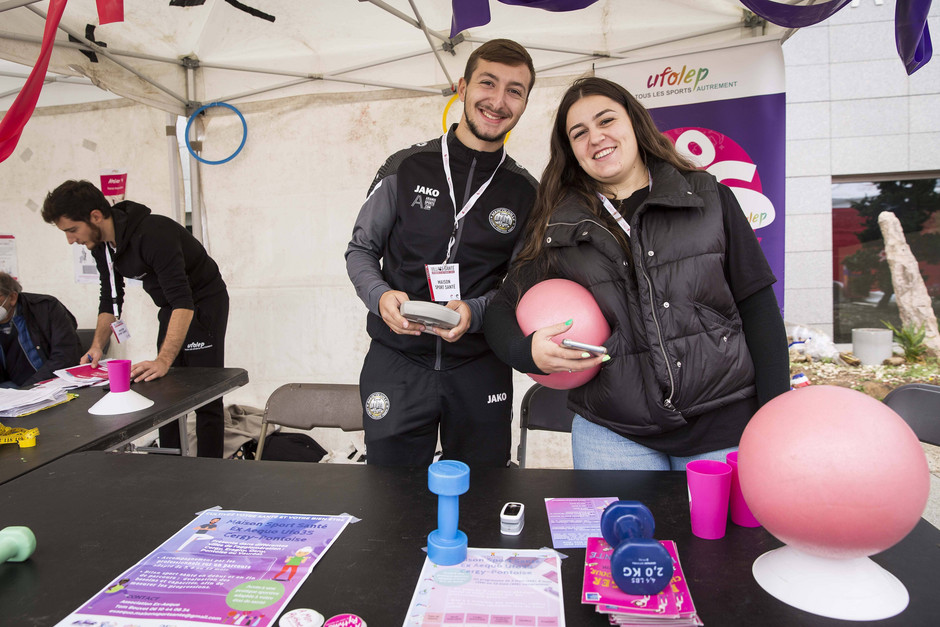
24, 437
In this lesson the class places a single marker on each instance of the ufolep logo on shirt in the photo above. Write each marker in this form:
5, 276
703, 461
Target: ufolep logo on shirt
426, 197
377, 405
196, 346
503, 220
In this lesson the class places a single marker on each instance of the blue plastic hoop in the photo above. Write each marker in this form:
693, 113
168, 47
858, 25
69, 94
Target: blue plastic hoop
237, 150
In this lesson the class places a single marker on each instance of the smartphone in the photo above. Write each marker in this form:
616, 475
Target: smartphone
597, 350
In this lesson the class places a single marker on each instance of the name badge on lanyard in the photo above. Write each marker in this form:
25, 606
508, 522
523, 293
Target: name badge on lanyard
444, 278
120, 331
118, 327
444, 281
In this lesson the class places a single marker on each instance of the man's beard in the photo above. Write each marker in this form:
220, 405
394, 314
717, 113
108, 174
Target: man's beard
477, 132
95, 233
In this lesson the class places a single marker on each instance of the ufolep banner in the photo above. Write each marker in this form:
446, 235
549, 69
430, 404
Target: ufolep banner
725, 109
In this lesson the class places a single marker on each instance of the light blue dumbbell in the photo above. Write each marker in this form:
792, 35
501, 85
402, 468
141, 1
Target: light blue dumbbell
16, 544
447, 545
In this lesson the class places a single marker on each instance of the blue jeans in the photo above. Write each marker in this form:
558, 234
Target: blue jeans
594, 447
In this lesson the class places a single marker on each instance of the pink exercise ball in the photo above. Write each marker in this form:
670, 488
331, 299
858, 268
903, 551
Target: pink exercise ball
833, 472
559, 300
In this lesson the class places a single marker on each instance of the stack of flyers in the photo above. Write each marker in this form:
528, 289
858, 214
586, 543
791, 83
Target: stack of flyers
673, 606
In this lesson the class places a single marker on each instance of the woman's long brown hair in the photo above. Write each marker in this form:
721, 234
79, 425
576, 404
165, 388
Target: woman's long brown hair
564, 175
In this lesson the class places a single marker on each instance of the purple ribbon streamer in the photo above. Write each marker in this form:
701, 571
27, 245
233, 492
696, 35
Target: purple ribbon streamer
470, 13
911, 34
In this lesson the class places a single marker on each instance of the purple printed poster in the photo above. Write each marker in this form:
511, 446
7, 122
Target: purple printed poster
725, 110
223, 568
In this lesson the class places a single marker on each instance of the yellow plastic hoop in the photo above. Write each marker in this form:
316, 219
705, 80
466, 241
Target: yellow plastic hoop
447, 108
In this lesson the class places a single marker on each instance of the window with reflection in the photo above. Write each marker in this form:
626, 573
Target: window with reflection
863, 293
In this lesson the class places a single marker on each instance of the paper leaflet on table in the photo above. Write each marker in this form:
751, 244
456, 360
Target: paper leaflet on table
84, 374
224, 567
598, 588
573, 520
491, 587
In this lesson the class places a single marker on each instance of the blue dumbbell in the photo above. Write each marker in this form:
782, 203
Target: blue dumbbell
16, 544
447, 545
639, 564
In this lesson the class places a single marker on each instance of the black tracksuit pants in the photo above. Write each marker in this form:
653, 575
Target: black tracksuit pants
405, 403
204, 347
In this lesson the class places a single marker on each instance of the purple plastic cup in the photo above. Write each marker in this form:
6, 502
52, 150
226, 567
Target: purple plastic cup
740, 513
709, 489
119, 375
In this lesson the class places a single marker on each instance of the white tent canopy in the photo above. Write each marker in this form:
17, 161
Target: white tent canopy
178, 58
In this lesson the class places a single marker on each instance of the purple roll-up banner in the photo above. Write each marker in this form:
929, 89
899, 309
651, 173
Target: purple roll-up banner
725, 109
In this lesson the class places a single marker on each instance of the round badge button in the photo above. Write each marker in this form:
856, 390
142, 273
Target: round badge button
301, 617
345, 620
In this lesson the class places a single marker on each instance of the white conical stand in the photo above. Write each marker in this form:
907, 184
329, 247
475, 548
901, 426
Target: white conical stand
120, 403
850, 589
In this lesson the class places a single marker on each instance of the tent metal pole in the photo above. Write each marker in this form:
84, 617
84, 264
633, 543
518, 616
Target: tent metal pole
15, 4
325, 77
176, 172
404, 17
600, 53
103, 51
424, 29
80, 46
262, 90
623, 53
366, 66
195, 187
423, 90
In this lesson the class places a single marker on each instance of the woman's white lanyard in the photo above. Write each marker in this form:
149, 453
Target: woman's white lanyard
445, 156
114, 297
616, 214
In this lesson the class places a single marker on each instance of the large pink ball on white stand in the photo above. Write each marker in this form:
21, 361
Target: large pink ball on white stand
558, 300
837, 476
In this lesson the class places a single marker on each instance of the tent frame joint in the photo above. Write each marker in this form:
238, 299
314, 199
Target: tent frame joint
451, 44
190, 63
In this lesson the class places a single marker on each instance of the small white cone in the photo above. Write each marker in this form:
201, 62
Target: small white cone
120, 403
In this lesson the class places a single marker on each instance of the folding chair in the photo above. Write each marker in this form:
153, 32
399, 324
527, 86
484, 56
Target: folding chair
543, 409
919, 405
308, 405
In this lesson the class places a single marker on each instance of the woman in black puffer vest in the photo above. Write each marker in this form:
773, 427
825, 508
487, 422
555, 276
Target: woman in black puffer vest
697, 342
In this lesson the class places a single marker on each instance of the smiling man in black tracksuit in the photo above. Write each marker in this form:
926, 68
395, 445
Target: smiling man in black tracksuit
177, 273
454, 200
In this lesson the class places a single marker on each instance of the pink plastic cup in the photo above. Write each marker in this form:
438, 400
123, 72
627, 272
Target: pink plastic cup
709, 489
119, 375
740, 513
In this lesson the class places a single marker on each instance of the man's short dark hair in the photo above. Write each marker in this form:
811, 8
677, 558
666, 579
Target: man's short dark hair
9, 285
74, 200
504, 51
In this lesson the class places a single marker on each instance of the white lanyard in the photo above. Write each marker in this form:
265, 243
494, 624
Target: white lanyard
616, 214
445, 156
613, 212
114, 298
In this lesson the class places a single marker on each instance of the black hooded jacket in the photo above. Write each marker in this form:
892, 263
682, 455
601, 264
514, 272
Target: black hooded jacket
175, 269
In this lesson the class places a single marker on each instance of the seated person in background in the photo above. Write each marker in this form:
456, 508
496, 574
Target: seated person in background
37, 335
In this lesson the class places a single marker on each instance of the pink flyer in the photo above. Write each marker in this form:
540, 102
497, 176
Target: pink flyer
225, 567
